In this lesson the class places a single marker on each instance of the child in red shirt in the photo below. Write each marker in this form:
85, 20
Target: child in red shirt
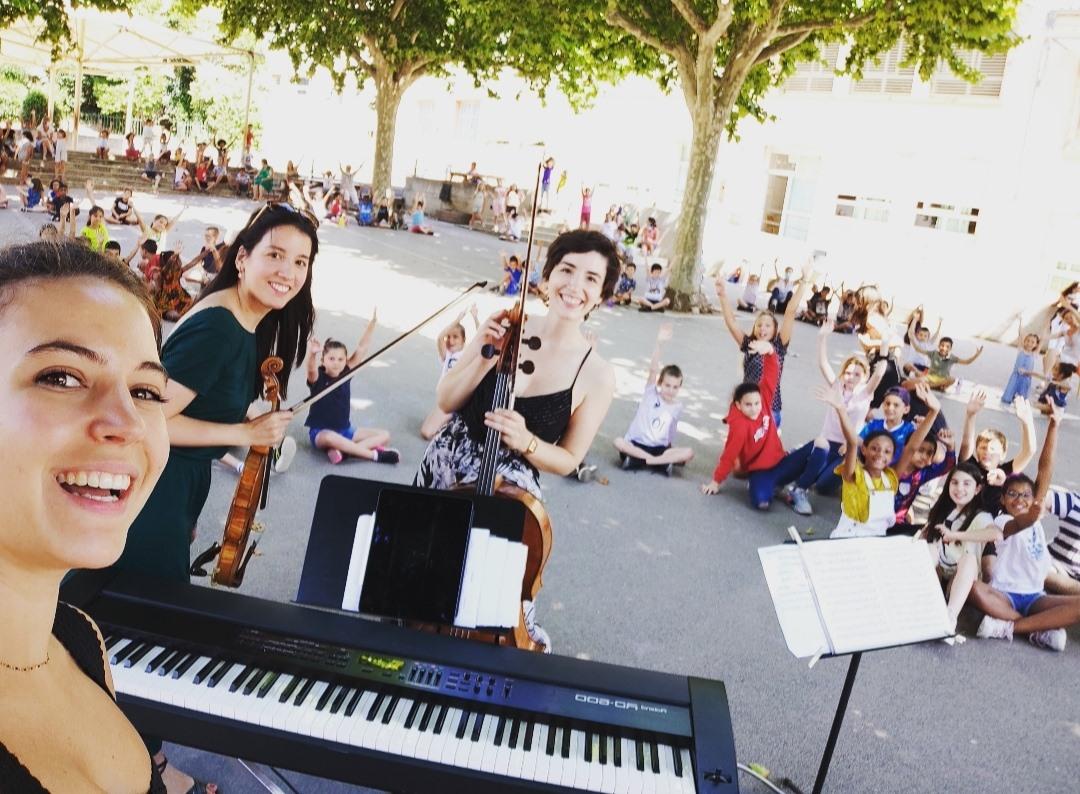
752, 438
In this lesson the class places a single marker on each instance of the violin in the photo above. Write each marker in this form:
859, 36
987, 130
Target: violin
250, 495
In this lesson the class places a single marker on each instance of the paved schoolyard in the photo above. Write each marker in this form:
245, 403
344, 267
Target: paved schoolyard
648, 572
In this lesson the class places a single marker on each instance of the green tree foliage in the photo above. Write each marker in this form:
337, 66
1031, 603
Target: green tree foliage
725, 55
151, 92
54, 16
34, 106
13, 83
392, 43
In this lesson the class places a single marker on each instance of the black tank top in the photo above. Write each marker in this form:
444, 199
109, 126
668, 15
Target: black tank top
77, 635
546, 415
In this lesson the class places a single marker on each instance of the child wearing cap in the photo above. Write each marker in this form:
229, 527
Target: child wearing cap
894, 409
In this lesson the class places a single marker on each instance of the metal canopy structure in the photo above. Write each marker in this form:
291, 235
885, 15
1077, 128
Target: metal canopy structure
116, 45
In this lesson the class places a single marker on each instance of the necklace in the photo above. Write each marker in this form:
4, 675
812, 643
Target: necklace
28, 668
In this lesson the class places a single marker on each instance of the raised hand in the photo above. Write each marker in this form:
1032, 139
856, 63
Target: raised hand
664, 332
1023, 410
977, 401
721, 287
1057, 413
314, 346
829, 396
945, 436
926, 394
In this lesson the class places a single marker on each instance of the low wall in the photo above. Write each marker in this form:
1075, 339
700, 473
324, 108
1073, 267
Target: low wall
461, 195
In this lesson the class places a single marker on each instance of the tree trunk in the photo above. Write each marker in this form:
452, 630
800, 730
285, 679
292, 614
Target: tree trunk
387, 101
686, 257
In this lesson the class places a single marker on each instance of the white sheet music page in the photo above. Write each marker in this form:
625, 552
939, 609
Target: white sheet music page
794, 604
876, 592
469, 600
354, 579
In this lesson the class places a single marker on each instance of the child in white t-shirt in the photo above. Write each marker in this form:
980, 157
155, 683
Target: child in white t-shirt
1014, 601
648, 441
449, 345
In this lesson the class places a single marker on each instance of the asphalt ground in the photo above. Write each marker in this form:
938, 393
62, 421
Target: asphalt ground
648, 572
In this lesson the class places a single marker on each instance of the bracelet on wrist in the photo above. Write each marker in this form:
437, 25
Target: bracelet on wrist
531, 448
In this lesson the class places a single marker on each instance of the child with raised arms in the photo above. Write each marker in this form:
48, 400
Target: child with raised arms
919, 464
329, 427
1014, 599
648, 441
448, 345
868, 492
766, 336
1025, 365
752, 442
987, 449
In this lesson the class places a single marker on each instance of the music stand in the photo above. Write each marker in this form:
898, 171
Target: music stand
342, 500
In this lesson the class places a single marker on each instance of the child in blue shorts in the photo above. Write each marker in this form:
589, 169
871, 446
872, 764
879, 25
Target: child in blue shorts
328, 422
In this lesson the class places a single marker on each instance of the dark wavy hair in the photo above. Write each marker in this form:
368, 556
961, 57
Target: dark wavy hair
282, 332
48, 261
945, 504
582, 241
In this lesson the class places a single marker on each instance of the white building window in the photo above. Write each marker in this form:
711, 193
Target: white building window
947, 217
1064, 274
467, 119
789, 196
945, 83
862, 208
815, 76
887, 76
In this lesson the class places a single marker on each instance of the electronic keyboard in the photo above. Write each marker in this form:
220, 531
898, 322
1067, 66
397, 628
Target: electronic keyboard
342, 697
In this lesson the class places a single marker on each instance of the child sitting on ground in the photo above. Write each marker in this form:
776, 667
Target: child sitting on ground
918, 463
868, 490
147, 264
510, 284
123, 211
749, 299
624, 290
1014, 600
939, 375
328, 419
956, 530
1058, 386
648, 441
987, 449
416, 223
655, 298
894, 408
845, 314
96, 232
449, 345
31, 196
752, 441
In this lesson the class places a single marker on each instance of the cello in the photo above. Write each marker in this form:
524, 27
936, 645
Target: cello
536, 533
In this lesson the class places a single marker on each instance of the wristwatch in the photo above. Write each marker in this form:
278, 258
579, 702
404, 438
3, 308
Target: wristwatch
532, 446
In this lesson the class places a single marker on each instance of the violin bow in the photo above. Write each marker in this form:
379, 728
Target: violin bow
345, 377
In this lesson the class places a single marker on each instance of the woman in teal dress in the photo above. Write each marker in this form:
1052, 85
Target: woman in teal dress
258, 305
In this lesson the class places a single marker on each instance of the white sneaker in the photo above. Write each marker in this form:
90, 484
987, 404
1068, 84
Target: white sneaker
1052, 639
995, 629
286, 455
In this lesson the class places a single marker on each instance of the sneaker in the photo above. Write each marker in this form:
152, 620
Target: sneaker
1052, 639
630, 463
335, 456
799, 503
668, 469
386, 455
285, 455
586, 473
995, 629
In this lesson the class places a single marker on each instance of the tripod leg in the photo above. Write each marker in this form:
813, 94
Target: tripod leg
838, 720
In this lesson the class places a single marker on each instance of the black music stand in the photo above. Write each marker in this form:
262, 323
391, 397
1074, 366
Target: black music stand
342, 500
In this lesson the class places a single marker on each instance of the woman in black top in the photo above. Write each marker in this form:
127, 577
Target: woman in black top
84, 437
559, 407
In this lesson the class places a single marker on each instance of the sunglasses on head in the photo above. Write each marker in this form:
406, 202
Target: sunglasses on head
283, 205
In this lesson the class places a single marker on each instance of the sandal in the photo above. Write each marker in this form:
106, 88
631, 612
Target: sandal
197, 787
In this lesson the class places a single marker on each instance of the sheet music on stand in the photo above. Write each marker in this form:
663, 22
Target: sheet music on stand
844, 596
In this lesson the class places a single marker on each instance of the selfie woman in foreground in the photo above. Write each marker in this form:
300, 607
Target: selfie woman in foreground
83, 431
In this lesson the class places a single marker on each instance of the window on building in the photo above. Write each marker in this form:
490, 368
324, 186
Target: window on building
1064, 274
945, 83
789, 196
947, 217
815, 76
467, 119
887, 76
862, 208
